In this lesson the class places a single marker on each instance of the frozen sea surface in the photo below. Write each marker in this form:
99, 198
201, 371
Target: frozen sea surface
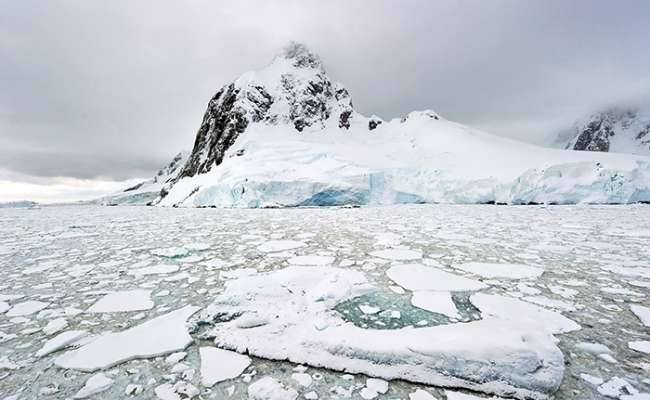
566, 287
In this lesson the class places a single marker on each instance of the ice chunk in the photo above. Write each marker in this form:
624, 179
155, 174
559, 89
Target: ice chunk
161, 335
642, 312
508, 271
154, 269
128, 300
269, 388
279, 245
397, 254
55, 326
421, 395
26, 308
438, 302
642, 346
616, 387
311, 260
218, 365
95, 384
499, 356
517, 311
374, 387
60, 341
419, 277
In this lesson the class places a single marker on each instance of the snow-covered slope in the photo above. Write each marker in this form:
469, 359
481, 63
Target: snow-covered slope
287, 135
617, 130
146, 191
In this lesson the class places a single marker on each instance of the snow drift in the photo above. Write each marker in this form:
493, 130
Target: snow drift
288, 136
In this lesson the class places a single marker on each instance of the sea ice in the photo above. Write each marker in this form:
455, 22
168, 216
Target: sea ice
60, 341
26, 308
397, 254
218, 365
161, 335
508, 271
55, 326
299, 324
642, 312
438, 302
279, 245
311, 260
128, 300
268, 388
418, 277
154, 269
520, 312
642, 346
95, 384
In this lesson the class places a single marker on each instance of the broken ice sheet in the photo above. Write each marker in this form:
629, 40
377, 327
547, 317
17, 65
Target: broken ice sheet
493, 355
161, 335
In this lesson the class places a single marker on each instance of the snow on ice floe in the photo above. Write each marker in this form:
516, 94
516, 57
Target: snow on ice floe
124, 301
218, 365
60, 341
28, 307
296, 322
508, 271
279, 245
95, 384
642, 346
517, 311
154, 269
642, 312
397, 254
438, 302
268, 388
419, 277
311, 260
161, 335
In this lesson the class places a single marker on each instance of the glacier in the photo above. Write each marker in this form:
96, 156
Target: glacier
288, 136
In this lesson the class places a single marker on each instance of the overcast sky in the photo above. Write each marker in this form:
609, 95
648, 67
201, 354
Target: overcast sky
93, 93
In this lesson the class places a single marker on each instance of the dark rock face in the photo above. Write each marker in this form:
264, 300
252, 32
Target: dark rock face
373, 124
222, 123
306, 102
595, 137
600, 130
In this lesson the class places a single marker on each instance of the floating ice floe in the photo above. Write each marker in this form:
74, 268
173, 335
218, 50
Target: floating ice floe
124, 301
517, 311
161, 335
296, 321
155, 269
642, 346
55, 325
508, 271
418, 277
397, 254
60, 341
438, 302
95, 384
311, 260
269, 388
279, 245
642, 312
218, 365
26, 308
170, 252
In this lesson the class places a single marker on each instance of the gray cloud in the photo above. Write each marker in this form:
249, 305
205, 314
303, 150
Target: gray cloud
114, 89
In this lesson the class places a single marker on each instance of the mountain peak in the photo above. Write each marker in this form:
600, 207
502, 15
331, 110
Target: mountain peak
301, 55
620, 129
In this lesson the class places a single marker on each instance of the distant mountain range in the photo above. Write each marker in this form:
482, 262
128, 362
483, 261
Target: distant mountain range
616, 130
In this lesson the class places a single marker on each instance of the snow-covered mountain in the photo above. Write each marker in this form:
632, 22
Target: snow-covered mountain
617, 130
287, 135
146, 191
